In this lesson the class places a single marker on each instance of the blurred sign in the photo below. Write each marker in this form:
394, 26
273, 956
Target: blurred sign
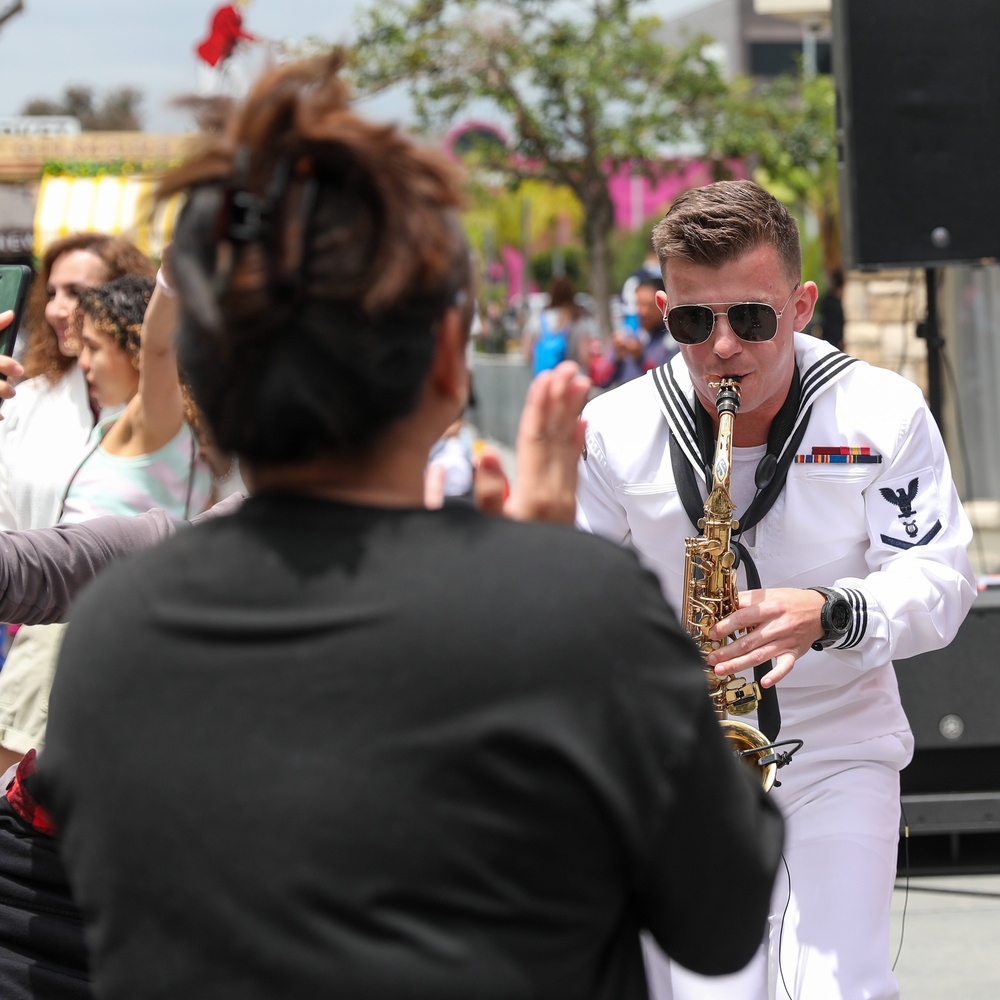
39, 125
802, 9
22, 155
16, 242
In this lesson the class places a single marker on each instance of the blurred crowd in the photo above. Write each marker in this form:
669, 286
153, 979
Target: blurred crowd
561, 324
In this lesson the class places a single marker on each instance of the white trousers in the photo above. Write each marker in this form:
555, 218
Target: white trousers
830, 911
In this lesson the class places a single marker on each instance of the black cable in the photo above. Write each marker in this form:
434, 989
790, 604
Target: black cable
906, 890
781, 931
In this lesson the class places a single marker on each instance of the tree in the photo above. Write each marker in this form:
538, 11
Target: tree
785, 131
582, 88
9, 11
118, 112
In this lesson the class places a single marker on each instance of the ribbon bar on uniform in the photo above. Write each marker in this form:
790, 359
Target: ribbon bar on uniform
840, 455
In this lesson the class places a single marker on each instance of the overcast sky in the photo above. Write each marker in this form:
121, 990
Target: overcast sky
149, 44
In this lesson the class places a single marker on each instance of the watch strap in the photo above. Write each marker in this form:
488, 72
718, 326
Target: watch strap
830, 635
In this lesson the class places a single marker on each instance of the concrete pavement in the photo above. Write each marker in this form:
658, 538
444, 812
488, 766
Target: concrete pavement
945, 929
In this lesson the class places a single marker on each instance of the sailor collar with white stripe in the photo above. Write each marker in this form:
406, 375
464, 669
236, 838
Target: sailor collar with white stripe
820, 366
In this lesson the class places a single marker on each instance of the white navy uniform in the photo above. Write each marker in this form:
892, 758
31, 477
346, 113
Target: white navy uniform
884, 526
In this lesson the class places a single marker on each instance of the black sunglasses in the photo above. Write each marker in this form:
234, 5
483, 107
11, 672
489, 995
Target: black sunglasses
753, 322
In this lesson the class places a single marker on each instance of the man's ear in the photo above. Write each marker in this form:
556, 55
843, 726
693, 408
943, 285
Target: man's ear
661, 301
805, 303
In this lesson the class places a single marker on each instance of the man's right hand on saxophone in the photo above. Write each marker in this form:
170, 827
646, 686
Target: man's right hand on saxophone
781, 624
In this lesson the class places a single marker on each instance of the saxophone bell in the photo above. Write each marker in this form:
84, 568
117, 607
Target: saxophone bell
751, 746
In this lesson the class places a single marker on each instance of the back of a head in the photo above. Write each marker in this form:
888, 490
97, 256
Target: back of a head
314, 257
650, 281
722, 222
562, 293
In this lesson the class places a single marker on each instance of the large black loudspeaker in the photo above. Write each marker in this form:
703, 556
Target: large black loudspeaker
952, 699
952, 695
918, 112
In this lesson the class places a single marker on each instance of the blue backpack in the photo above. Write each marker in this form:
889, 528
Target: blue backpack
550, 347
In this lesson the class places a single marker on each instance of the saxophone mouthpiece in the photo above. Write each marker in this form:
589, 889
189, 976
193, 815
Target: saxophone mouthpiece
728, 398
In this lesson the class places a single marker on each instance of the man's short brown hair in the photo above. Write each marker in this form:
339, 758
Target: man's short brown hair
723, 222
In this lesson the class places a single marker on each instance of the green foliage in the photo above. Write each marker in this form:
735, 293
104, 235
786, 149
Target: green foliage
110, 168
541, 267
786, 130
629, 248
582, 88
534, 216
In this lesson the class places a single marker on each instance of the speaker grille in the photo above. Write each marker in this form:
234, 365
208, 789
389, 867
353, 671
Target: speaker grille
918, 84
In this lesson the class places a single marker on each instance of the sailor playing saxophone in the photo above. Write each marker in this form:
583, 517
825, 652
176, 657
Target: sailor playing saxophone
839, 481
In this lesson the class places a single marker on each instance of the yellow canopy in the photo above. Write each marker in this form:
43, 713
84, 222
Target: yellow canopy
104, 204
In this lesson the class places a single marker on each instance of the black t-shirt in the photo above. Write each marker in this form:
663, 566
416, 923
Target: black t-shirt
315, 750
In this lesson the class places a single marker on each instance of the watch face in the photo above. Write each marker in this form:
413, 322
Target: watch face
840, 616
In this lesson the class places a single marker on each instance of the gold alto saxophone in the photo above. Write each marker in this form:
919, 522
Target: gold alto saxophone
711, 593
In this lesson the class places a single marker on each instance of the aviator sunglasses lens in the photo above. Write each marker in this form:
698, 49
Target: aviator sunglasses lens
753, 322
690, 324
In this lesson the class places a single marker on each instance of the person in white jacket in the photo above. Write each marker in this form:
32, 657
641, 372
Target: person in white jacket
44, 431
841, 481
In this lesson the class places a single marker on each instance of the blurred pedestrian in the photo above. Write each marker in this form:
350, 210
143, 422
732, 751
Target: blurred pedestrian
145, 453
559, 332
831, 311
46, 424
47, 420
650, 345
649, 268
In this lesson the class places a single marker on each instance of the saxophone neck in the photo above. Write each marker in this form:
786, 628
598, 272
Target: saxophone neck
727, 402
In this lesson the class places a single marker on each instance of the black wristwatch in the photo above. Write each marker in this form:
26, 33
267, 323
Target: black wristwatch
835, 616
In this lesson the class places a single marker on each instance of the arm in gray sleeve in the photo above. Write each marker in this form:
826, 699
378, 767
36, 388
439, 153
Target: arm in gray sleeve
43, 569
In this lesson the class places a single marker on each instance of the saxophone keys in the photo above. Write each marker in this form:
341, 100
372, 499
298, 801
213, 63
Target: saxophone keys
742, 698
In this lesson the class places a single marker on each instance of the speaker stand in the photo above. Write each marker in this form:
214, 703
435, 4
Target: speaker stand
930, 330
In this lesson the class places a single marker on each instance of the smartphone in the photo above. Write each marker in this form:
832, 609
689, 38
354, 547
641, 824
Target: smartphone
14, 282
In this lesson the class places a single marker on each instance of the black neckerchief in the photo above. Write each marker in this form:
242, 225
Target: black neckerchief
783, 448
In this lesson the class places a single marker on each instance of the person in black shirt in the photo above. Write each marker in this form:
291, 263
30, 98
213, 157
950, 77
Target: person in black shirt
336, 743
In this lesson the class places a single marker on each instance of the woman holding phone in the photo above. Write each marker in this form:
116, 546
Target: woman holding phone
48, 417
46, 425
146, 452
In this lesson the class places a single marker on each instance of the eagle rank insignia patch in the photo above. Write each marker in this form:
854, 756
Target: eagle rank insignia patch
915, 504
